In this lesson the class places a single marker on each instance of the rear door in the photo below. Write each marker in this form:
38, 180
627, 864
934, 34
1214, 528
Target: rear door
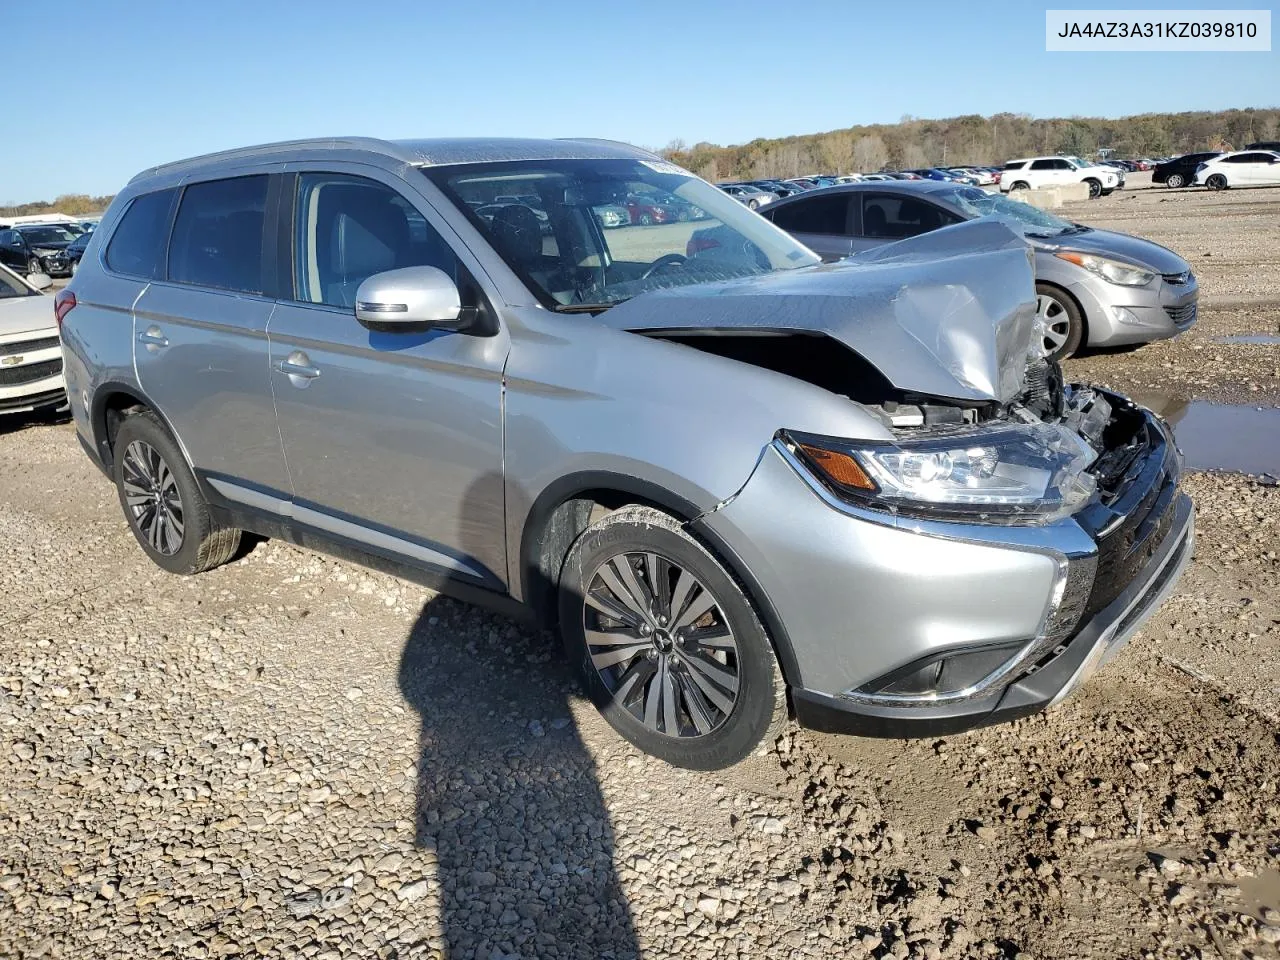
200, 334
394, 440
886, 217
820, 221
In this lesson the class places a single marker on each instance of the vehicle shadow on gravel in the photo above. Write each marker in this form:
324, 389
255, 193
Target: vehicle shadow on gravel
507, 797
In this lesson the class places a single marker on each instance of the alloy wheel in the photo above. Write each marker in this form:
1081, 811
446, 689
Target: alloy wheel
152, 497
660, 642
1054, 324
1216, 182
1174, 180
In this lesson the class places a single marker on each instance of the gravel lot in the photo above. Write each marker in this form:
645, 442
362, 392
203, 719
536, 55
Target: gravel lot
291, 756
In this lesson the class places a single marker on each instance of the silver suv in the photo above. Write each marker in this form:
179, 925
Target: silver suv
739, 480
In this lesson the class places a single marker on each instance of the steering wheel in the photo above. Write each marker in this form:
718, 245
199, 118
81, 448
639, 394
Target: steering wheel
666, 260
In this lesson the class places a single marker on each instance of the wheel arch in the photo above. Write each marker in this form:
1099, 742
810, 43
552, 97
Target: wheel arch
111, 403
1068, 295
564, 510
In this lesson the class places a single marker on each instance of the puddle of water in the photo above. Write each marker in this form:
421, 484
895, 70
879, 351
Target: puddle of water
1221, 436
1262, 891
1264, 339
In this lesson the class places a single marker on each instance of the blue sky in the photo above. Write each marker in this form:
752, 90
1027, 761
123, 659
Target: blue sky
165, 79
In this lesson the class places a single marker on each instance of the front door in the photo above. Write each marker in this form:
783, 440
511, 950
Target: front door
393, 440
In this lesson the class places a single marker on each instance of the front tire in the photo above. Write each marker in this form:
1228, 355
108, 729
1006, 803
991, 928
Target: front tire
34, 266
1095, 188
666, 643
1175, 180
1216, 182
1060, 322
1020, 185
162, 502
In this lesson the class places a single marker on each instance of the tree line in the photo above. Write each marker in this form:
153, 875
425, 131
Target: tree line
974, 139
72, 204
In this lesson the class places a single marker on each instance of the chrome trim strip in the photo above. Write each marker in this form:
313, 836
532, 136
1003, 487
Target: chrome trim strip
343, 528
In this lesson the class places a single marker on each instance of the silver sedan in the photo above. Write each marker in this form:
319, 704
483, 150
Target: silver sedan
1094, 287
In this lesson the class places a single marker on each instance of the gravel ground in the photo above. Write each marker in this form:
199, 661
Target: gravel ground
291, 756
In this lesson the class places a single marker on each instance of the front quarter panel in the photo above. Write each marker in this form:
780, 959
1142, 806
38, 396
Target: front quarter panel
584, 400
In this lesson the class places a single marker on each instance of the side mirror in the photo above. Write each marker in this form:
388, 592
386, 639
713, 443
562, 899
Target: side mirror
409, 300
41, 281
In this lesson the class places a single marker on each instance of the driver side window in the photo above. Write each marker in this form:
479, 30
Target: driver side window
349, 228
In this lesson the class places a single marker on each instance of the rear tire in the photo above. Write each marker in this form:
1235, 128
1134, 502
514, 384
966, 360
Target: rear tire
1216, 182
701, 694
1175, 180
162, 502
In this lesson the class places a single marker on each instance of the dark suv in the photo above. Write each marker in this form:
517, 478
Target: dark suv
1180, 171
36, 248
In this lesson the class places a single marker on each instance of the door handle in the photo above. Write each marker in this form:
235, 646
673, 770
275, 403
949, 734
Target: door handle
298, 365
153, 338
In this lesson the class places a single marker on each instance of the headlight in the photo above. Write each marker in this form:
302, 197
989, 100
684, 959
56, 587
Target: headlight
1113, 271
1014, 473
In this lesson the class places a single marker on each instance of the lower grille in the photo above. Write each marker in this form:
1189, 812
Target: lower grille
48, 398
28, 346
1183, 314
29, 373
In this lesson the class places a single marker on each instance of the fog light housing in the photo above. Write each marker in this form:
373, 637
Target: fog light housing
949, 674
1127, 317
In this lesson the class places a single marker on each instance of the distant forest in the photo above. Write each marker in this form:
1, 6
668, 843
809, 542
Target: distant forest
72, 204
913, 142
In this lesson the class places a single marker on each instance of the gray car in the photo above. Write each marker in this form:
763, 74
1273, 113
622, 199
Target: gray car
1094, 287
739, 481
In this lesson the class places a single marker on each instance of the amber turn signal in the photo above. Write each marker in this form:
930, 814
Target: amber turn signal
840, 468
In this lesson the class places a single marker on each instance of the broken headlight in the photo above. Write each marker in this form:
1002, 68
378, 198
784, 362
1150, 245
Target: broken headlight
1012, 473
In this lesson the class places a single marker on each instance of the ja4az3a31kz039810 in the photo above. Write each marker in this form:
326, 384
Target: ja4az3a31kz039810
740, 481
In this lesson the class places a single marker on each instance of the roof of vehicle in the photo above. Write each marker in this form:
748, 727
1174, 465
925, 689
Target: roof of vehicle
418, 153
874, 186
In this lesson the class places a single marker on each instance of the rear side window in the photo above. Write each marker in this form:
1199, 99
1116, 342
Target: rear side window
217, 235
1015, 164
138, 244
886, 217
827, 215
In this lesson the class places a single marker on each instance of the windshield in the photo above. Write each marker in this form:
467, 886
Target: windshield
1022, 217
11, 286
38, 235
596, 232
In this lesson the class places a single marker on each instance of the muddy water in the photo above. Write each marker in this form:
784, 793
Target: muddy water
1221, 436
1261, 339
1262, 892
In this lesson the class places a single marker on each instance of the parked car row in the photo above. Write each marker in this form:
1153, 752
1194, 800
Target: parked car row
692, 452
758, 193
1255, 166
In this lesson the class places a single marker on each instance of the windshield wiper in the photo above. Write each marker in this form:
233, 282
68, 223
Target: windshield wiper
583, 307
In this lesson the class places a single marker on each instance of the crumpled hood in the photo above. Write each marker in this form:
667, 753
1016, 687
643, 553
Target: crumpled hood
26, 315
949, 313
1108, 244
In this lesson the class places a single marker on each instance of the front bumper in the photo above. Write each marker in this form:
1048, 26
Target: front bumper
862, 596
1045, 683
1119, 316
31, 375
